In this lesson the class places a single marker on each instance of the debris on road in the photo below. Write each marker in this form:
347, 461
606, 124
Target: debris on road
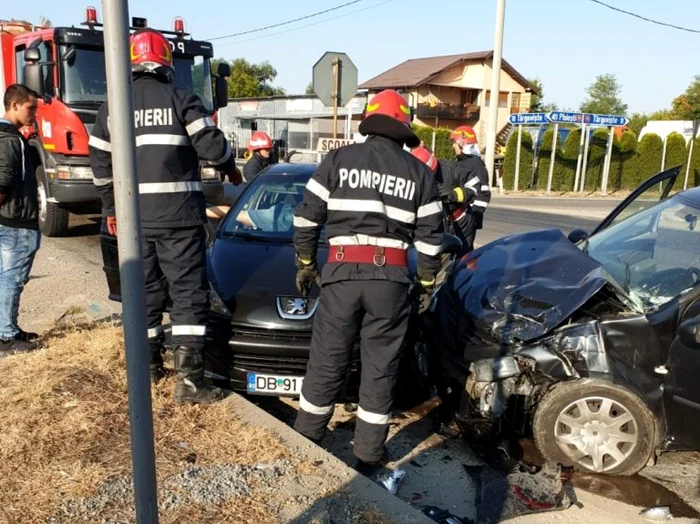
392, 480
522, 491
657, 513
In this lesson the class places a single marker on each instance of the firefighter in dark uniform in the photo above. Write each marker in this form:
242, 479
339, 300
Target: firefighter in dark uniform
173, 132
260, 146
374, 199
465, 188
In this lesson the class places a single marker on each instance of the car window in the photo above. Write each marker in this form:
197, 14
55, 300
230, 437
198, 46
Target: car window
645, 200
266, 209
654, 254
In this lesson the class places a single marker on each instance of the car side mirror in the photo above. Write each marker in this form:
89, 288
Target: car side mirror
689, 333
577, 235
223, 70
450, 244
32, 54
221, 91
33, 78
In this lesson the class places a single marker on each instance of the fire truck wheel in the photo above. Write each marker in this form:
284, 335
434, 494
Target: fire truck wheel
53, 219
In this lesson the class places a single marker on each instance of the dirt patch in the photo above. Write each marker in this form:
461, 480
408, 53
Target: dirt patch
65, 453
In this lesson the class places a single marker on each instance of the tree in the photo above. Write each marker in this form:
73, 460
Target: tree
637, 122
687, 105
537, 104
675, 151
604, 97
248, 79
310, 89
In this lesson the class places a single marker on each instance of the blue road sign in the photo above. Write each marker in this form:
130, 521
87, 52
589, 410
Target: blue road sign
605, 120
565, 117
528, 118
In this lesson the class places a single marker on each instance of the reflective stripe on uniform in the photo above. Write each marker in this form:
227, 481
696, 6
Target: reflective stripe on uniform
312, 408
371, 206
480, 203
318, 190
427, 249
472, 182
486, 187
154, 332
102, 181
366, 240
198, 125
100, 144
197, 331
429, 209
373, 418
302, 222
162, 140
169, 187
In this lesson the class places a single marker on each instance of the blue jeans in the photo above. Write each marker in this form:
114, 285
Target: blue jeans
17, 249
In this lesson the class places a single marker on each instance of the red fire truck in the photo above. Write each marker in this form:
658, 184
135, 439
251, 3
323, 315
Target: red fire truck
66, 66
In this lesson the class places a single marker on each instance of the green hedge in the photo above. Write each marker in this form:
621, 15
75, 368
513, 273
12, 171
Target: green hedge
676, 154
694, 174
649, 153
625, 171
443, 144
525, 161
567, 163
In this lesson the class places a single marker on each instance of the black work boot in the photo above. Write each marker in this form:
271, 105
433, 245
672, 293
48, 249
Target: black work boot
16, 345
191, 385
156, 365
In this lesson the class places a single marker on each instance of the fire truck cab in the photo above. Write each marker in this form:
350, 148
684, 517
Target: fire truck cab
66, 66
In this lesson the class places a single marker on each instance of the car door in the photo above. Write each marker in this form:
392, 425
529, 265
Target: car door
649, 193
682, 382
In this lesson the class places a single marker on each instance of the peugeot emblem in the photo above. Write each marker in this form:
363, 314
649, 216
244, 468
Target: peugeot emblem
296, 306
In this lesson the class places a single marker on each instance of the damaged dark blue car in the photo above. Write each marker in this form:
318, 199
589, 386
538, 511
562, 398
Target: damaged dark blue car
590, 342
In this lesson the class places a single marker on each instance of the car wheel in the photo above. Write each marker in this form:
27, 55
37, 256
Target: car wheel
53, 219
595, 426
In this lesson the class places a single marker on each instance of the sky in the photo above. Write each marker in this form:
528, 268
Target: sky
564, 43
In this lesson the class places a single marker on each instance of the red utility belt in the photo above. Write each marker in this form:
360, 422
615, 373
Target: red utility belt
377, 255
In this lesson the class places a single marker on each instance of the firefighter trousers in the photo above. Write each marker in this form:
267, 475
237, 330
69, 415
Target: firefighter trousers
376, 312
174, 263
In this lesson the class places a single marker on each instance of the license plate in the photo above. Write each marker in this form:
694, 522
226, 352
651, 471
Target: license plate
274, 384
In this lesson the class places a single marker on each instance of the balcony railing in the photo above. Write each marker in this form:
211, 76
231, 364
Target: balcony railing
448, 111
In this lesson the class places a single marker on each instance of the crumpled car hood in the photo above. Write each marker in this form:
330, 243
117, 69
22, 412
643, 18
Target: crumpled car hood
521, 287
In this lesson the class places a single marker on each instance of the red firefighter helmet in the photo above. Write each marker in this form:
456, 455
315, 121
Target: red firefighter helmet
259, 140
391, 104
464, 135
425, 156
149, 50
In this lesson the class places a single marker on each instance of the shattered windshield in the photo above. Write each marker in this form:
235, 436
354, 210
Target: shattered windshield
654, 255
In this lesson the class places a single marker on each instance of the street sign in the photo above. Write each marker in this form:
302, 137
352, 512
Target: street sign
323, 79
528, 118
329, 144
605, 120
565, 117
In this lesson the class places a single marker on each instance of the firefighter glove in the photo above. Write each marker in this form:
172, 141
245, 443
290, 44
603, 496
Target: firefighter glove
111, 222
452, 194
307, 274
423, 291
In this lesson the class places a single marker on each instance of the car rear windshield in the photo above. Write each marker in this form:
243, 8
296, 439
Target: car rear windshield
265, 210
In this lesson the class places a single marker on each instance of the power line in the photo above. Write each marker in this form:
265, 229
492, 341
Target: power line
306, 25
644, 18
312, 15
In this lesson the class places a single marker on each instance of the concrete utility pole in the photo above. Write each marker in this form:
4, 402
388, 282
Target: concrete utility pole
126, 194
495, 89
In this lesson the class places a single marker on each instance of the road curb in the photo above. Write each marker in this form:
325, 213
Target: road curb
371, 493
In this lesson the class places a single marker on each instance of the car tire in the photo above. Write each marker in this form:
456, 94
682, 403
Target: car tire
53, 219
611, 430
